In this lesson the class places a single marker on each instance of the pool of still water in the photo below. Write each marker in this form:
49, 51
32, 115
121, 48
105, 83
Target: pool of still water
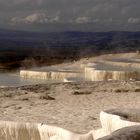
14, 79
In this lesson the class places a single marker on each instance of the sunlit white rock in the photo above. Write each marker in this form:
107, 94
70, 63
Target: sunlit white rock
99, 133
111, 122
103, 72
53, 75
31, 131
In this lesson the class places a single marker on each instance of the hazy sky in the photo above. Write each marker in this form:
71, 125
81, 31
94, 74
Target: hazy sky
94, 15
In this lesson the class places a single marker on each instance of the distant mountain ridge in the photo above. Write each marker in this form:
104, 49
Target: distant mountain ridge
16, 47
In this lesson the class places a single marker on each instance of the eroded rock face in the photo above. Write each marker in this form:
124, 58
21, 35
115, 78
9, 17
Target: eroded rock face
127, 133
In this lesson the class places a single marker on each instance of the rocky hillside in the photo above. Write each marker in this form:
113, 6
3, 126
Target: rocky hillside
23, 49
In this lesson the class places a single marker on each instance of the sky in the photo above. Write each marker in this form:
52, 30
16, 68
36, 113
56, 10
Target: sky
83, 15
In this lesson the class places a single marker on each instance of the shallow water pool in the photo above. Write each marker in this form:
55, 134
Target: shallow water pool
13, 79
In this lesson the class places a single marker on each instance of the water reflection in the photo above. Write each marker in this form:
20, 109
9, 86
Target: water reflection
13, 79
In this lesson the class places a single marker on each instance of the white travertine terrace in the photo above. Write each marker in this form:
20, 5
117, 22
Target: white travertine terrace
104, 75
111, 120
89, 68
117, 119
129, 64
97, 70
64, 74
111, 70
31, 131
99, 133
35, 74
53, 75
